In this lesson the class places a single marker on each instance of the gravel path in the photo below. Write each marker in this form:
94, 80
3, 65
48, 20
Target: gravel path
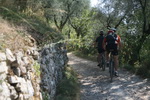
96, 85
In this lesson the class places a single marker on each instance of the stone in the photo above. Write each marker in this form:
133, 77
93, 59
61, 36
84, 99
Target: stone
13, 79
3, 67
28, 52
29, 67
53, 60
26, 96
30, 88
28, 75
14, 64
3, 76
35, 55
23, 70
2, 57
22, 86
20, 96
19, 55
18, 80
4, 91
26, 88
13, 93
16, 71
45, 52
25, 60
10, 55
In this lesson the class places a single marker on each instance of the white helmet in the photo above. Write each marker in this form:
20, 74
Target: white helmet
114, 29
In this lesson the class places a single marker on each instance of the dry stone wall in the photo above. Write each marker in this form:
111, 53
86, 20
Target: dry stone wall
18, 78
53, 59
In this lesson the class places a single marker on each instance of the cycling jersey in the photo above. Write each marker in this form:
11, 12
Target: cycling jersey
99, 41
112, 41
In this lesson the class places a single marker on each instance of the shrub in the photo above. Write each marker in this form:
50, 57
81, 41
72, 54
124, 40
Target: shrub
68, 88
144, 69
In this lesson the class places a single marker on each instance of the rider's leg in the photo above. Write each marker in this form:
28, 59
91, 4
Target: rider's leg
99, 58
116, 62
100, 51
107, 58
107, 55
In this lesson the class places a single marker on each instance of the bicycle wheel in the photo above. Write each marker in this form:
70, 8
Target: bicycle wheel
111, 70
103, 63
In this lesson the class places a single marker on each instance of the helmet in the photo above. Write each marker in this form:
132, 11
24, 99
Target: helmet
114, 29
101, 32
110, 31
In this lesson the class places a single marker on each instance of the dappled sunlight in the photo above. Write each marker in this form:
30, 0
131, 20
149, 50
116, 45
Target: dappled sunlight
95, 83
116, 87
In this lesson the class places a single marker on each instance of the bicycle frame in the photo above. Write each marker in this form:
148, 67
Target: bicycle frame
101, 60
111, 67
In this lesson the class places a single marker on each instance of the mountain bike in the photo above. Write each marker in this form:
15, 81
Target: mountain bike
102, 63
111, 67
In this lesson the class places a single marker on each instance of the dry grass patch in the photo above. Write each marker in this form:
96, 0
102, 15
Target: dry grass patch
13, 37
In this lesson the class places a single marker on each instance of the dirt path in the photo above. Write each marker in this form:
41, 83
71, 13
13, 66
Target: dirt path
95, 84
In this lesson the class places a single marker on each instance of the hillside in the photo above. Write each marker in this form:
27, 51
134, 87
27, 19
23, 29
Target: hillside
21, 38
17, 26
14, 37
21, 61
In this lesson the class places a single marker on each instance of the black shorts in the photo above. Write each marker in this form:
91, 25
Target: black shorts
100, 50
112, 48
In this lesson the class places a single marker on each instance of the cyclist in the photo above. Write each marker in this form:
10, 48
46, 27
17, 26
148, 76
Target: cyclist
112, 42
98, 44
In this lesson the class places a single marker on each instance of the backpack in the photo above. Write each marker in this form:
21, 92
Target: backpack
111, 39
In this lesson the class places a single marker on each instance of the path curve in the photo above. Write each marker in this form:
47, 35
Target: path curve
96, 85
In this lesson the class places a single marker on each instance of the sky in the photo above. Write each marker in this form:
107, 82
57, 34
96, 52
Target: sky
94, 2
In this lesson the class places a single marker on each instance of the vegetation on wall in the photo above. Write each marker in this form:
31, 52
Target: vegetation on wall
68, 88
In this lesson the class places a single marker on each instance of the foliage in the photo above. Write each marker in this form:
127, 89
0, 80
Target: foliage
45, 95
144, 68
78, 24
131, 19
62, 10
36, 67
81, 24
33, 24
68, 88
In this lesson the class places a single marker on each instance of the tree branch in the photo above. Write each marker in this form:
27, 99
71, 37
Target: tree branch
56, 23
120, 20
144, 15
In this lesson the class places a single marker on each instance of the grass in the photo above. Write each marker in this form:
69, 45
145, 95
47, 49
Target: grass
33, 25
68, 88
36, 66
9, 37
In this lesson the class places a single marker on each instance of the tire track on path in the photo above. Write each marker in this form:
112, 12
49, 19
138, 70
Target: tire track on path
95, 84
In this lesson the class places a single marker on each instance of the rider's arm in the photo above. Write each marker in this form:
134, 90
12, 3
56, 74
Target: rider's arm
104, 43
96, 42
119, 42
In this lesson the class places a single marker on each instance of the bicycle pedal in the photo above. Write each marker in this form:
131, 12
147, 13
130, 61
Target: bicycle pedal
116, 74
